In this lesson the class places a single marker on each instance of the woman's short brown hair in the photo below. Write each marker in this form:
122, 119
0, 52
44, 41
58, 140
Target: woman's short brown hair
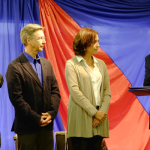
84, 38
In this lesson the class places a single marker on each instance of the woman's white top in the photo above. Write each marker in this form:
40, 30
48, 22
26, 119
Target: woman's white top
96, 78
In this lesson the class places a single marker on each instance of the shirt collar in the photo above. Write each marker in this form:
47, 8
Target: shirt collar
80, 58
37, 57
30, 58
95, 61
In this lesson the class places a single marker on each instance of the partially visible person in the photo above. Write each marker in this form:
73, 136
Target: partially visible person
1, 80
89, 86
147, 71
33, 91
147, 75
1, 83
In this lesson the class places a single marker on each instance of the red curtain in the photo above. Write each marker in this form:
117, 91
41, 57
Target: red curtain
128, 120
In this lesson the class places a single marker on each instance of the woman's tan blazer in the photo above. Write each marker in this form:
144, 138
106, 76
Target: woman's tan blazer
82, 105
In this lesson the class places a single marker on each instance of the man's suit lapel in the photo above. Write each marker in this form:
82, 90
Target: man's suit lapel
27, 66
44, 70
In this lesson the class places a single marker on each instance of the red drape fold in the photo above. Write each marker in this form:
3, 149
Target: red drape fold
128, 120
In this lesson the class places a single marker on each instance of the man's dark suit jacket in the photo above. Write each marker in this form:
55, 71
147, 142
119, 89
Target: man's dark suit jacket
147, 75
29, 97
147, 71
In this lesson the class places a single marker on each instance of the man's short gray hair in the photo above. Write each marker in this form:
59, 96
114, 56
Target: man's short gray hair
28, 30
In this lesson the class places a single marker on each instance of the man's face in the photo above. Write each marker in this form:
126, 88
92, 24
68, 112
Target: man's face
38, 41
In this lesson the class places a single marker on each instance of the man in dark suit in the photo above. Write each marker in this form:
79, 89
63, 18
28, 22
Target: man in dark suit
33, 91
147, 75
147, 71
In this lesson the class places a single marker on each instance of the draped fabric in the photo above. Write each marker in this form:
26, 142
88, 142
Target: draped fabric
124, 33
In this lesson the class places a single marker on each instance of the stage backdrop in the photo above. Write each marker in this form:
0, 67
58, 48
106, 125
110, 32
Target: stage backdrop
124, 33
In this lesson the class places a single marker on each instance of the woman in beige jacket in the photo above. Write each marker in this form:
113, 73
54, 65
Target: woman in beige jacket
88, 83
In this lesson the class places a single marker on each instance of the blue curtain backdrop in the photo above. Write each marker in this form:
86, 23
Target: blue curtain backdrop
124, 32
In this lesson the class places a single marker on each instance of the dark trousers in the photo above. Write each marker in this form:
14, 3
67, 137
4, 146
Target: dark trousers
79, 143
42, 140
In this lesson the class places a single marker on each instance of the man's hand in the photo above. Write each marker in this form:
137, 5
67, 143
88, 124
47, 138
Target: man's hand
46, 118
101, 116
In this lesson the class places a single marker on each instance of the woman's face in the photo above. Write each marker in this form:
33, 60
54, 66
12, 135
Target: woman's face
93, 49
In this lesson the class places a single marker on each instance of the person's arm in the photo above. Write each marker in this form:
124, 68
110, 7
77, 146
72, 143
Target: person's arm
14, 84
106, 91
75, 92
54, 100
147, 72
103, 111
55, 96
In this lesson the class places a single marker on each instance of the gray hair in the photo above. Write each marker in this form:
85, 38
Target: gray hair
28, 30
